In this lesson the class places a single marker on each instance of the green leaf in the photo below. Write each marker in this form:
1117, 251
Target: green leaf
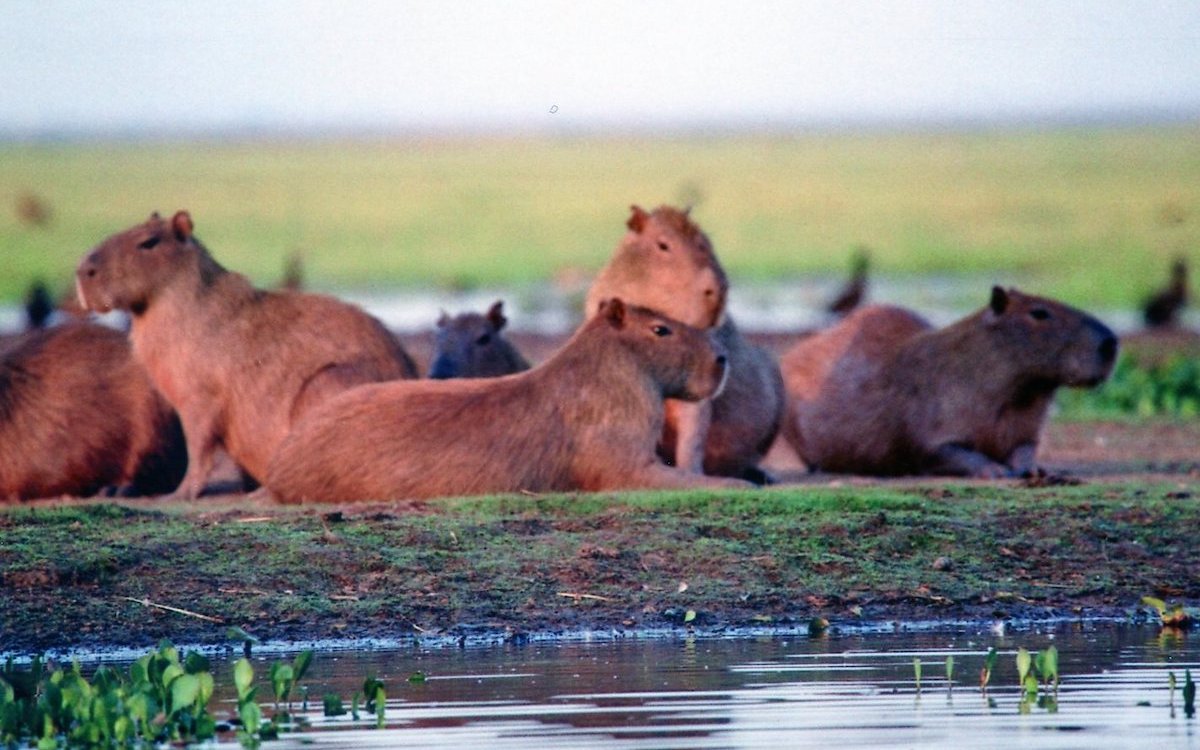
950, 668
917, 672
689, 616
1156, 603
251, 716
1024, 661
333, 705
416, 678
184, 690
195, 663
1030, 684
1047, 664
243, 675
301, 663
235, 633
206, 688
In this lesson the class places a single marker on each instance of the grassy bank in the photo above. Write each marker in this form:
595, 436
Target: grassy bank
639, 559
1092, 216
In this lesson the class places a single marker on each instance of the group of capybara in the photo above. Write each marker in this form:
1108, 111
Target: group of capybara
315, 400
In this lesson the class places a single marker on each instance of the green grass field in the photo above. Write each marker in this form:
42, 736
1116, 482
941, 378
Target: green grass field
1092, 216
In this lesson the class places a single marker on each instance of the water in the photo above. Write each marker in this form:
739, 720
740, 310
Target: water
840, 691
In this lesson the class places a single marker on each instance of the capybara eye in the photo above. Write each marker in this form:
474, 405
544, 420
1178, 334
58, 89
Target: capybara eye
661, 330
484, 339
1039, 313
663, 245
148, 243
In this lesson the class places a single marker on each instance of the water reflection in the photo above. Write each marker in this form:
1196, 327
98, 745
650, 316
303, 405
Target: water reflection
856, 691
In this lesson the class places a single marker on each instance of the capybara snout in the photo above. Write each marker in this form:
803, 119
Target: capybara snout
690, 361
124, 270
1054, 341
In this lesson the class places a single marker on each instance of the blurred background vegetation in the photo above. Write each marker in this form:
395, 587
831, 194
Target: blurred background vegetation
1090, 215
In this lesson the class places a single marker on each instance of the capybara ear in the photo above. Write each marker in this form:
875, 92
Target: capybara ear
613, 310
999, 301
181, 224
637, 220
495, 315
154, 216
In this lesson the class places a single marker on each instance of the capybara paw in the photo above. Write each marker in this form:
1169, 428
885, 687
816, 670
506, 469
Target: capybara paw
758, 476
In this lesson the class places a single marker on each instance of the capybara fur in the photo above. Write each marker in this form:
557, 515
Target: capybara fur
1162, 310
665, 262
471, 345
239, 364
79, 415
883, 392
587, 419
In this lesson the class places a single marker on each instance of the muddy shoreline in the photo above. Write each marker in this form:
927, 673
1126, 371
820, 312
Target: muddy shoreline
857, 552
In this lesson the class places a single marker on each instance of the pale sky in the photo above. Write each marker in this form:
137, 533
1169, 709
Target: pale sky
69, 66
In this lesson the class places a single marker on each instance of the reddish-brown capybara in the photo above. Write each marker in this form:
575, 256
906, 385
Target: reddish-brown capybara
883, 392
587, 419
239, 364
78, 414
471, 345
666, 263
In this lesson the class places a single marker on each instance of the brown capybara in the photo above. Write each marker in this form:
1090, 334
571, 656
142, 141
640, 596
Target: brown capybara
883, 392
78, 415
239, 364
666, 263
587, 419
471, 345
1162, 310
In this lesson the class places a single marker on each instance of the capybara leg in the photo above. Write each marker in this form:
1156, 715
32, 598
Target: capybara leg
691, 420
959, 460
1023, 461
201, 448
758, 475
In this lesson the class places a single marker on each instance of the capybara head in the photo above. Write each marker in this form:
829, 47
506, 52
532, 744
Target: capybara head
125, 271
687, 361
470, 345
665, 262
1049, 341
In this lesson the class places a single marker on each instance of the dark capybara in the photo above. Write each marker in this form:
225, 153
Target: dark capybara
239, 364
666, 263
883, 392
587, 419
1162, 310
78, 415
471, 345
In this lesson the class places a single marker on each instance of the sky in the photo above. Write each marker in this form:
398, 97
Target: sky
156, 66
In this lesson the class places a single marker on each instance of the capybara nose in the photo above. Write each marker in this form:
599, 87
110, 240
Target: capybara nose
442, 369
1108, 349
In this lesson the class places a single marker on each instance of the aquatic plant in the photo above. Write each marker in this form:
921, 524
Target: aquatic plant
161, 699
950, 672
1034, 669
1171, 616
989, 665
917, 672
1189, 694
376, 699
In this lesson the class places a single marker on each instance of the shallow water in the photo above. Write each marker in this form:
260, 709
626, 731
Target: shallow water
838, 691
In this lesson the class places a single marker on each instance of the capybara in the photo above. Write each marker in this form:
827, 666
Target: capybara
471, 345
239, 364
666, 263
587, 419
852, 294
1162, 310
883, 392
78, 414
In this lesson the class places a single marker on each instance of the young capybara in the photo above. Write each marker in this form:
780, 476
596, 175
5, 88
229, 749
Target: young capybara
471, 345
883, 392
78, 414
666, 263
587, 419
239, 364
